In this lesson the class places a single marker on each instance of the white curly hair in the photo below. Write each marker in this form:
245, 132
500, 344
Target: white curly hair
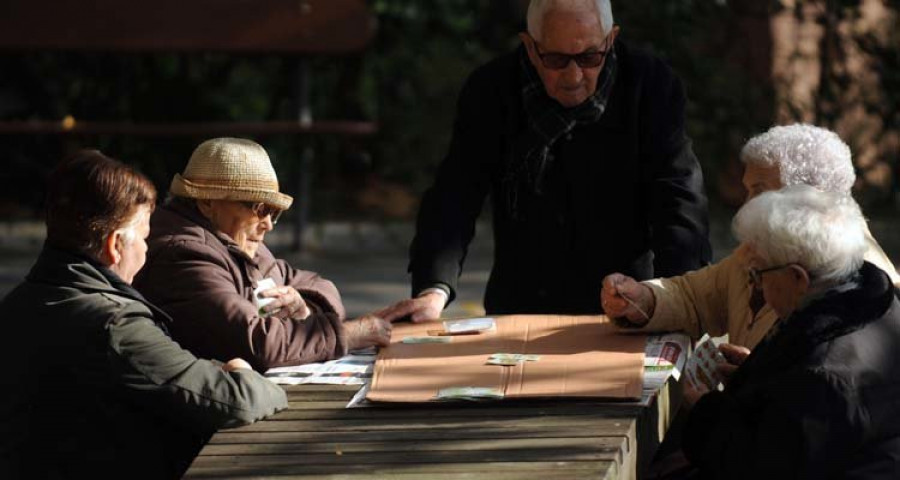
805, 155
537, 9
824, 232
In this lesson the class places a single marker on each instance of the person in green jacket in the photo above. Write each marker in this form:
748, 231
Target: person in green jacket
93, 386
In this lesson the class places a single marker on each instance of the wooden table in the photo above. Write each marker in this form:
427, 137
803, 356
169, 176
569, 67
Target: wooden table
318, 437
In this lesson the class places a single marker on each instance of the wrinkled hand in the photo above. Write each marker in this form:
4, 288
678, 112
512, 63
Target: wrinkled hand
422, 308
236, 364
287, 304
367, 331
615, 286
734, 356
691, 394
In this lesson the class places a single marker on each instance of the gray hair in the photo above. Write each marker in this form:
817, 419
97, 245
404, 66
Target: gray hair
824, 232
805, 155
537, 9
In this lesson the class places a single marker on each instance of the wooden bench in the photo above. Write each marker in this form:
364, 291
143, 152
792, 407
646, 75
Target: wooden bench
295, 28
549, 439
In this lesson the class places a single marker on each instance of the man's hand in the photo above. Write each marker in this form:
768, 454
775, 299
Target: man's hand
618, 289
422, 308
367, 331
236, 364
691, 394
734, 356
287, 304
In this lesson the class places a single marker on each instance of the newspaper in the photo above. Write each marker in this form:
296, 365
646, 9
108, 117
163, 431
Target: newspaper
665, 356
353, 369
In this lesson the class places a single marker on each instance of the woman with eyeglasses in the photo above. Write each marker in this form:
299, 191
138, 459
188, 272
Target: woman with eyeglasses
718, 299
208, 268
817, 398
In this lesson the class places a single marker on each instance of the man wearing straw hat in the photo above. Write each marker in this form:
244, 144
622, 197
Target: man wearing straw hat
229, 296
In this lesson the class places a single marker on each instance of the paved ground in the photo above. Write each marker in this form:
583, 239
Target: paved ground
368, 261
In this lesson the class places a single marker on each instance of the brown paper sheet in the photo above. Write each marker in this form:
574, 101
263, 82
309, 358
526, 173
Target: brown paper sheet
581, 356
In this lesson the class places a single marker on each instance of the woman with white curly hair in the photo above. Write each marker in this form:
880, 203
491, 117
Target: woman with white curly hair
817, 397
717, 299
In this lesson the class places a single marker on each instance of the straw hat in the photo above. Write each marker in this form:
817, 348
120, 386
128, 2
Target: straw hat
230, 169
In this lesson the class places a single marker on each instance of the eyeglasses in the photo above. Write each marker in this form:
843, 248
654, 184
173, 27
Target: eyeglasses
755, 275
588, 59
263, 210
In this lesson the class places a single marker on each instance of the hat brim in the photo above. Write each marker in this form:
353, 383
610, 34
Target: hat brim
185, 188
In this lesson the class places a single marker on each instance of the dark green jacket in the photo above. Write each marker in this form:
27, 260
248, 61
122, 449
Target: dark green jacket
95, 388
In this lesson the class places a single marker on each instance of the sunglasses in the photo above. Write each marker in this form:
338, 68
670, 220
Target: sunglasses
589, 59
755, 275
263, 210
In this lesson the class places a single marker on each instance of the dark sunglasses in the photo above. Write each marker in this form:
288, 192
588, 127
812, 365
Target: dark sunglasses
263, 210
559, 61
755, 275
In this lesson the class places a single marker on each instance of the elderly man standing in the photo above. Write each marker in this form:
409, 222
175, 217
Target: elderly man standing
717, 299
94, 386
579, 140
227, 294
817, 398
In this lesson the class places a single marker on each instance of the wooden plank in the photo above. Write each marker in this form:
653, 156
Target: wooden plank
199, 129
289, 26
301, 411
597, 471
403, 458
565, 469
599, 422
534, 445
511, 431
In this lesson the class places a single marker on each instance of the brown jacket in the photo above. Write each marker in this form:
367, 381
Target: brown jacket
205, 283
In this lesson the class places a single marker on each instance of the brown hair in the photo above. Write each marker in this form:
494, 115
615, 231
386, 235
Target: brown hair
90, 196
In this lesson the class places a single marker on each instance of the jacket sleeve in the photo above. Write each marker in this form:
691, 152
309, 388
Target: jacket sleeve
320, 294
446, 220
193, 284
678, 204
696, 302
157, 373
802, 431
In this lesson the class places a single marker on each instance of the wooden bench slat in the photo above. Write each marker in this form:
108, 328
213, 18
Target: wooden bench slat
235, 437
601, 471
449, 423
227, 469
288, 26
207, 129
526, 444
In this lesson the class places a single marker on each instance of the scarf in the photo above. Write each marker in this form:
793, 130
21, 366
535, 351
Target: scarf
547, 121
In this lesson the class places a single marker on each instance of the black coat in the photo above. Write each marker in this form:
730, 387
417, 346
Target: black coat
819, 398
624, 195
94, 388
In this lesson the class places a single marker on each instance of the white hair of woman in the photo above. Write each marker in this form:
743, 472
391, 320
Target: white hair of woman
823, 232
804, 154
537, 9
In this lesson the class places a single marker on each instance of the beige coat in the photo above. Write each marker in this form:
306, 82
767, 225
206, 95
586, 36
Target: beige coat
716, 299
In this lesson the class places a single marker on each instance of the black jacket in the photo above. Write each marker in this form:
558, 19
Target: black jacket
94, 388
624, 194
819, 398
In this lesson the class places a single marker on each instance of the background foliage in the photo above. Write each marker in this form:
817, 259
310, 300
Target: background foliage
407, 81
